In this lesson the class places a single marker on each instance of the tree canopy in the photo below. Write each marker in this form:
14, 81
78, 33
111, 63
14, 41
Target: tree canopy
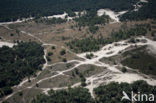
16, 9
17, 63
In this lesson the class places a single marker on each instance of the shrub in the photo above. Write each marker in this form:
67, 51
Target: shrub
50, 53
48, 59
63, 52
124, 70
64, 60
11, 34
53, 47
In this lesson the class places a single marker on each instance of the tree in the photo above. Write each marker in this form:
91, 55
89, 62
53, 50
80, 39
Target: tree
63, 52
50, 53
124, 70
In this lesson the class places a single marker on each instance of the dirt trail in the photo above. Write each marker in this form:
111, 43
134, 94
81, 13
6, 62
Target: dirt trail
94, 81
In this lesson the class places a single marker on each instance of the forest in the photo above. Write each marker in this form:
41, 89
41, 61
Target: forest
16, 63
111, 93
92, 20
94, 44
11, 10
147, 11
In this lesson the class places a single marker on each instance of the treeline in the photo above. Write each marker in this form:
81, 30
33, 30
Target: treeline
111, 93
94, 44
17, 9
147, 11
92, 20
76, 95
17, 63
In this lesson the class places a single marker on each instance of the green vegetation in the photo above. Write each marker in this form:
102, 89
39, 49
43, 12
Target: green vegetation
124, 70
48, 58
64, 60
141, 60
53, 47
50, 21
83, 80
71, 13
125, 34
76, 95
147, 11
112, 93
17, 63
50, 53
11, 34
17, 9
89, 56
92, 20
63, 52
94, 44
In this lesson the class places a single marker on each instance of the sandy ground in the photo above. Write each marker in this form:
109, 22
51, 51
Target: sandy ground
113, 15
105, 77
6, 44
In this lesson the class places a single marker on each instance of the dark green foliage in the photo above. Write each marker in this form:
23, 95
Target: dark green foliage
64, 60
37, 85
94, 44
53, 47
93, 29
50, 53
83, 45
63, 52
124, 70
71, 13
48, 58
140, 59
89, 56
76, 71
76, 95
125, 34
50, 21
11, 34
20, 93
91, 20
17, 63
15, 9
147, 11
112, 93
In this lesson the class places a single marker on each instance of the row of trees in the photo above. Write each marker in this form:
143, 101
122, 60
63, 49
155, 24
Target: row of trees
111, 93
94, 44
17, 63
16, 9
50, 21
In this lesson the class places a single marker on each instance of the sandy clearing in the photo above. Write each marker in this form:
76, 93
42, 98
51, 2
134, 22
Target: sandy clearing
6, 44
113, 15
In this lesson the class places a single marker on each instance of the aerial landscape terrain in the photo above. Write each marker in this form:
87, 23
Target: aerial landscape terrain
77, 51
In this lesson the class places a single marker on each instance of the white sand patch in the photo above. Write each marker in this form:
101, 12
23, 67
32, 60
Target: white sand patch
62, 16
18, 21
152, 45
113, 15
129, 78
6, 44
